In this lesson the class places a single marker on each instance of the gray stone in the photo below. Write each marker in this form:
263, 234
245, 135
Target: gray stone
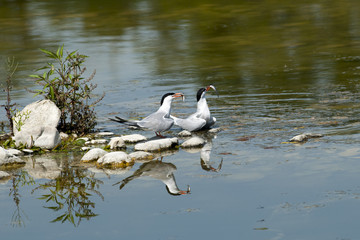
117, 143
93, 155
157, 145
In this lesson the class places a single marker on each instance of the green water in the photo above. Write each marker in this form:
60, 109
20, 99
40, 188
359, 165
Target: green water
281, 68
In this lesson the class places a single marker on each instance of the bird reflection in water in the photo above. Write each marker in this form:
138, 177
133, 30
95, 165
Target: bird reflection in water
160, 170
205, 158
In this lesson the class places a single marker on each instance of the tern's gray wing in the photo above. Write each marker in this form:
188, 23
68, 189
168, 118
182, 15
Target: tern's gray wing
156, 122
191, 123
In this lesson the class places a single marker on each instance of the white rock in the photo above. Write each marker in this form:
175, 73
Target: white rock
102, 134
133, 138
64, 136
43, 112
96, 141
116, 143
48, 139
184, 133
215, 130
39, 120
114, 159
86, 148
157, 145
93, 155
27, 151
193, 142
15, 152
7, 159
141, 155
305, 136
4, 175
3, 154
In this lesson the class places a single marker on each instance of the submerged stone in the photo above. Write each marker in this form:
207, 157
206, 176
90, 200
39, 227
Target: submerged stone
157, 145
141, 155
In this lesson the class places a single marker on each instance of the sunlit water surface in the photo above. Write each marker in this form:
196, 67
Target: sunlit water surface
281, 69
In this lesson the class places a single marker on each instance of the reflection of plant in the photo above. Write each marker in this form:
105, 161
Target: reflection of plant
11, 69
70, 192
20, 179
63, 84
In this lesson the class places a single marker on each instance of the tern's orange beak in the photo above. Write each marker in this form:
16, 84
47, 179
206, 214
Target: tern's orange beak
179, 95
212, 87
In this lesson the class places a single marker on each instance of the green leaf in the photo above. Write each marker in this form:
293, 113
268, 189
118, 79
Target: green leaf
34, 76
59, 218
49, 53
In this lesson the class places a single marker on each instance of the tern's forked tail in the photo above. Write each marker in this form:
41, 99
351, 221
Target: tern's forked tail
124, 121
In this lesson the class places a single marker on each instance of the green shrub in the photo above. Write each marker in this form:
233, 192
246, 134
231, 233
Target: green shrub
62, 83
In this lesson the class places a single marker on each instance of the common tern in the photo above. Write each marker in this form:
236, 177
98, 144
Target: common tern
202, 118
158, 121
